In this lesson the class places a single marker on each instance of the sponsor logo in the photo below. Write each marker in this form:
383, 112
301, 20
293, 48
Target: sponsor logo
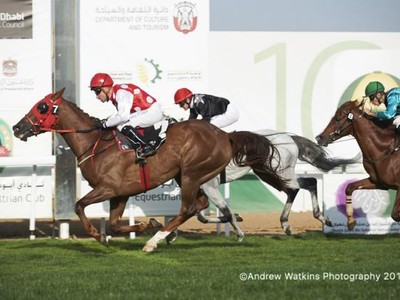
12, 16
5, 139
149, 71
10, 67
185, 17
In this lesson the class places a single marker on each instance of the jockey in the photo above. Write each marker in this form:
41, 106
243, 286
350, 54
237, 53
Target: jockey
136, 109
216, 110
377, 95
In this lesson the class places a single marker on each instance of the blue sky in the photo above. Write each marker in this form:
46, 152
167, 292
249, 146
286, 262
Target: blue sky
305, 15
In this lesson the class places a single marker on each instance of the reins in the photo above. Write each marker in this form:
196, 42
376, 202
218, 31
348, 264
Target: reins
68, 130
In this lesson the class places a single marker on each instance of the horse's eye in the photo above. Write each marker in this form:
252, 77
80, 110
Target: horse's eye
43, 108
337, 119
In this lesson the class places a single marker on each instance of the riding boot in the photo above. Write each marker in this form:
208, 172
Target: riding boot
142, 148
397, 130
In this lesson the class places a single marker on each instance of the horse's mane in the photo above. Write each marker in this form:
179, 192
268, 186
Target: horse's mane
77, 108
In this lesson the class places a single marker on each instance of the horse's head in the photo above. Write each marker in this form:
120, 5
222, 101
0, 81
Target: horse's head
41, 118
342, 123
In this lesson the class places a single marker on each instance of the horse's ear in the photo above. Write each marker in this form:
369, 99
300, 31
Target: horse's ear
58, 94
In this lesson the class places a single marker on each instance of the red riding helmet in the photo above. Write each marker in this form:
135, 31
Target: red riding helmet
100, 80
182, 94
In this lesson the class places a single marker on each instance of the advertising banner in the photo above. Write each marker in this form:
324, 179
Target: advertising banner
25, 78
16, 19
294, 81
372, 208
16, 193
159, 45
26, 70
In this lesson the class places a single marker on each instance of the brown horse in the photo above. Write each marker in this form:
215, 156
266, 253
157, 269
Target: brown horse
193, 153
379, 145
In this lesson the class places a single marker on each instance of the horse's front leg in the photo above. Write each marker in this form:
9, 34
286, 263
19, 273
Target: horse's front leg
190, 205
363, 184
98, 194
396, 208
310, 184
117, 207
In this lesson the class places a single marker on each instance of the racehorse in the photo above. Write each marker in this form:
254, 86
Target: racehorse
193, 153
290, 148
379, 145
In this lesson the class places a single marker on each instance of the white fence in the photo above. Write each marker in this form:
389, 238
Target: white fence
20, 193
21, 184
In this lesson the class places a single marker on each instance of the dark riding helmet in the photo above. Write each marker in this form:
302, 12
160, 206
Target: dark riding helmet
374, 87
182, 94
101, 80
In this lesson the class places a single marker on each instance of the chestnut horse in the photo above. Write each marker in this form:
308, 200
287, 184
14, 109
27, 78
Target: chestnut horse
193, 153
379, 145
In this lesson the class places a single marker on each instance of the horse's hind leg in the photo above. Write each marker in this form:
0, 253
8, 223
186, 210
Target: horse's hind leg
117, 207
291, 194
213, 194
190, 205
310, 184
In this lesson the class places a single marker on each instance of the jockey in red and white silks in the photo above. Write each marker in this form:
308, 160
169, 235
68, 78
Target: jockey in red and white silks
135, 107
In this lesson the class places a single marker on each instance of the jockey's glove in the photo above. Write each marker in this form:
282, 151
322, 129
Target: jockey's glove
100, 124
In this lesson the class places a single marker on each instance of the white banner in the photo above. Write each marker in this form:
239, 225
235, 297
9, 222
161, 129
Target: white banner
159, 45
17, 193
26, 74
293, 81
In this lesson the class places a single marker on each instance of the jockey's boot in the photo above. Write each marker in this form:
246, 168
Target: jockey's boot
397, 130
142, 148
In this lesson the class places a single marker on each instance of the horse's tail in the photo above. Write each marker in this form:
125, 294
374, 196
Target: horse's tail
257, 152
318, 157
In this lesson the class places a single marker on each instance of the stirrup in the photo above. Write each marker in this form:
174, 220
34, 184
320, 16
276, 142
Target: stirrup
147, 151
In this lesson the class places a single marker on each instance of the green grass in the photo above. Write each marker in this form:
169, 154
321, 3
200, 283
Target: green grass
201, 267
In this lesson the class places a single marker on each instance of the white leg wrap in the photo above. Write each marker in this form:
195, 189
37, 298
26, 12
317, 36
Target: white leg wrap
158, 237
349, 207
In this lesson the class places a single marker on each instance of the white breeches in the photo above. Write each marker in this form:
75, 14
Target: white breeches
145, 118
229, 117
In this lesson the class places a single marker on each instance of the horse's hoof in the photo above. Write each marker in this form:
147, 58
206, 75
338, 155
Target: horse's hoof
155, 223
287, 230
351, 225
328, 223
149, 248
238, 217
171, 237
104, 240
240, 237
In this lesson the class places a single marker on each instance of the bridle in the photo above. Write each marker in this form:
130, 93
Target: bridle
350, 120
46, 115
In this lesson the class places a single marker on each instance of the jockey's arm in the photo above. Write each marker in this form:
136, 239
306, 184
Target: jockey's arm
125, 102
390, 112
